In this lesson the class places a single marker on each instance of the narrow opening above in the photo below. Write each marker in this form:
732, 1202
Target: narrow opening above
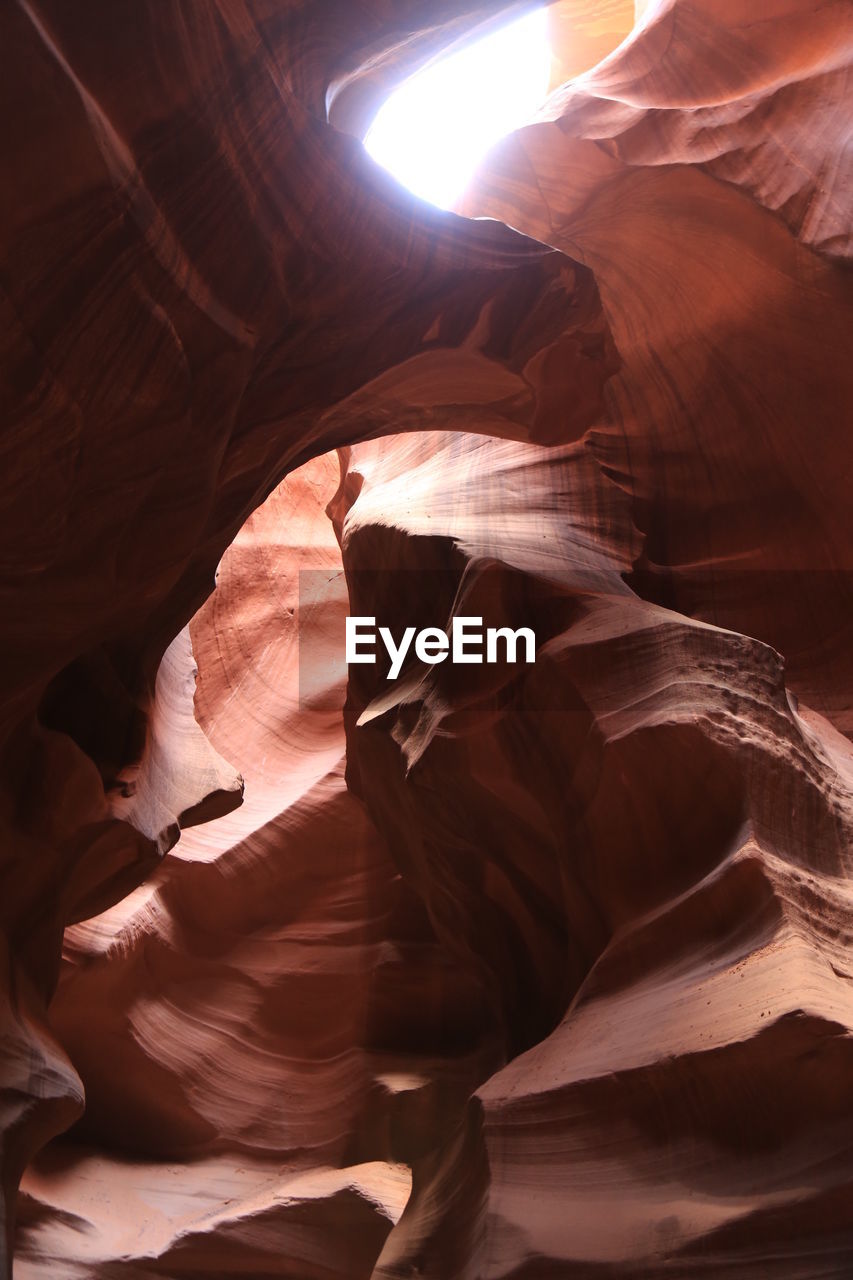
435, 128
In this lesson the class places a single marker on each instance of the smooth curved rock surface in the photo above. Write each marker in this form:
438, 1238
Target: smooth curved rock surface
267, 1030
204, 286
496, 973
670, 875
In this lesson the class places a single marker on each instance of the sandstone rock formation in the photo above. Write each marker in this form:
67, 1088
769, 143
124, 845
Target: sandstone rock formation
494, 972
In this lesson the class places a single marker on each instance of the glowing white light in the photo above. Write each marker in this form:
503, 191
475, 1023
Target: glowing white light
434, 129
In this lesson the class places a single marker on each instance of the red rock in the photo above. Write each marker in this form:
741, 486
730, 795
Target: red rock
496, 971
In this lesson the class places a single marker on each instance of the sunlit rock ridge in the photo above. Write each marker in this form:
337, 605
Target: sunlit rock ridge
540, 972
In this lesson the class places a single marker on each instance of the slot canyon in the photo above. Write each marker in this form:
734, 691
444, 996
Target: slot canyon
539, 971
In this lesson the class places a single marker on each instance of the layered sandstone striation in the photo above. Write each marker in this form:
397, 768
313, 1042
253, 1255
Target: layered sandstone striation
485, 972
204, 285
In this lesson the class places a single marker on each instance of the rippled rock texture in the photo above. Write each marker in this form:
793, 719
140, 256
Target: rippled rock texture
490, 972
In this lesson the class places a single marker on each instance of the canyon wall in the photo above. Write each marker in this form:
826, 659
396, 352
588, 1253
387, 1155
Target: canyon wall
486, 972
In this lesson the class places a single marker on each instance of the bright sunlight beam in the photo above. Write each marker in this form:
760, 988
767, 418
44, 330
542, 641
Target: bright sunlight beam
434, 129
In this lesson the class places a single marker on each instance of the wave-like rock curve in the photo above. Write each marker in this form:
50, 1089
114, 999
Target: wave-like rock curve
495, 972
